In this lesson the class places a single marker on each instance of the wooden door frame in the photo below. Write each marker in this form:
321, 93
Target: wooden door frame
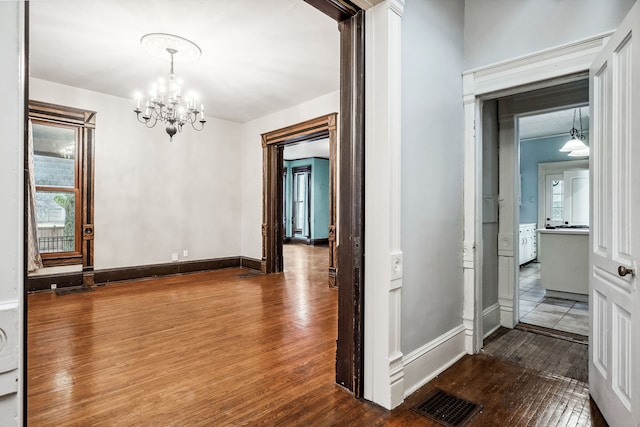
273, 144
348, 243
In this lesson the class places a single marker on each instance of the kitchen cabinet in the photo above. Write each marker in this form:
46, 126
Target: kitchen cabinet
528, 244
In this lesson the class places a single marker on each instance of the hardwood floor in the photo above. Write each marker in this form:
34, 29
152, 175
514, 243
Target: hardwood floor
235, 348
540, 352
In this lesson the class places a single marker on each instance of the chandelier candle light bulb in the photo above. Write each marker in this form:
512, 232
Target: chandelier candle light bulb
172, 112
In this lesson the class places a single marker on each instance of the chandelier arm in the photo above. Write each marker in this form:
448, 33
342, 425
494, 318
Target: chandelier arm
151, 122
202, 122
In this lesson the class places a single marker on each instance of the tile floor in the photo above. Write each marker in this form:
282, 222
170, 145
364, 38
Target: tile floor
555, 313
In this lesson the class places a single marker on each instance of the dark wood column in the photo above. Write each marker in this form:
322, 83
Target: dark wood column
350, 274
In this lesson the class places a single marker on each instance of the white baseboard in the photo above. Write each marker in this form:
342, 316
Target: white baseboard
490, 320
424, 363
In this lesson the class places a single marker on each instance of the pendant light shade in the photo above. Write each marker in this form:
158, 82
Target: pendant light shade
574, 146
580, 153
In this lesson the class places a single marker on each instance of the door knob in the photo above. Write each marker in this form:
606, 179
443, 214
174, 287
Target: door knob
623, 271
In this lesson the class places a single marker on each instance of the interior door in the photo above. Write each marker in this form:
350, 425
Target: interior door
614, 357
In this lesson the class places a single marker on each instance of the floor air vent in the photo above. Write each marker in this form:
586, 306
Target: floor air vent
448, 410
76, 290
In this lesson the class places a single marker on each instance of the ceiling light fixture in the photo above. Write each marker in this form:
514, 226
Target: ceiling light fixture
575, 144
166, 103
583, 152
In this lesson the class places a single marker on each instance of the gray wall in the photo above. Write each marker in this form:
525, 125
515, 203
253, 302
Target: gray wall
432, 169
490, 189
497, 30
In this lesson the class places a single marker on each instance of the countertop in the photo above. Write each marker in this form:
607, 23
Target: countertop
578, 231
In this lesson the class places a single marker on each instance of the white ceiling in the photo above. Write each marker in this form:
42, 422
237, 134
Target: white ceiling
258, 56
554, 123
304, 150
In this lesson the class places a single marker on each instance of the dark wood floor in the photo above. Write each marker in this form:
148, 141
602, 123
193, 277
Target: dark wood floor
540, 352
232, 348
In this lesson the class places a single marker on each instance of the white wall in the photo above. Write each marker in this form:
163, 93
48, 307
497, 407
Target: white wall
497, 30
432, 169
11, 214
250, 178
154, 197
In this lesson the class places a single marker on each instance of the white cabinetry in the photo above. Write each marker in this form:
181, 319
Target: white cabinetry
528, 246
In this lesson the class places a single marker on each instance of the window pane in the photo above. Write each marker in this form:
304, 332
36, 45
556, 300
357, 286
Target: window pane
557, 199
56, 221
54, 153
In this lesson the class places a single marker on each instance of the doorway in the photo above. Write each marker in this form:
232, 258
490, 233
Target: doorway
553, 283
283, 220
510, 201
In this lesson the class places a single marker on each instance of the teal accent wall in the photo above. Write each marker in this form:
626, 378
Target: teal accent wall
532, 152
320, 201
319, 196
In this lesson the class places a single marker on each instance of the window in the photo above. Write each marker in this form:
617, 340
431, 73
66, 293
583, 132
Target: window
557, 197
63, 170
301, 200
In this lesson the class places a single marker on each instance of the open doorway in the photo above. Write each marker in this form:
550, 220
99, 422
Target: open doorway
298, 162
510, 202
526, 317
553, 282
306, 205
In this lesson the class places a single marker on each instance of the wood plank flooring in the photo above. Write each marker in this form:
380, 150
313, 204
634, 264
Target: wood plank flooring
540, 352
232, 348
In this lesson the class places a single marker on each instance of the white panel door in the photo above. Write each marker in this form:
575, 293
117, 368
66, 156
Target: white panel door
614, 356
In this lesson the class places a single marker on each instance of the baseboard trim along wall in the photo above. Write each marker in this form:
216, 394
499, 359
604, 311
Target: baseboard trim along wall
305, 241
62, 280
490, 319
424, 363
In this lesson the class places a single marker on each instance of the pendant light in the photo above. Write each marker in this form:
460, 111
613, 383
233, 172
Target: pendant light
575, 143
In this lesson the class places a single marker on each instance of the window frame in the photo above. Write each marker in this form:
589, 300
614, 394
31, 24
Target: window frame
83, 122
305, 172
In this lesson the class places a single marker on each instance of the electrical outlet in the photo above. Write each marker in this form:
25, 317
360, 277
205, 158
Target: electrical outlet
174, 256
185, 253
54, 286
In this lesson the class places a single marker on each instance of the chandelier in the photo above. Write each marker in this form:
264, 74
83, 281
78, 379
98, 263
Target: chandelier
574, 146
166, 103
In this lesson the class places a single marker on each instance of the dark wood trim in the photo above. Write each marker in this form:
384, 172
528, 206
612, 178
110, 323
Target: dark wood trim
350, 274
339, 10
306, 241
144, 271
56, 261
61, 280
251, 263
319, 242
84, 122
88, 277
